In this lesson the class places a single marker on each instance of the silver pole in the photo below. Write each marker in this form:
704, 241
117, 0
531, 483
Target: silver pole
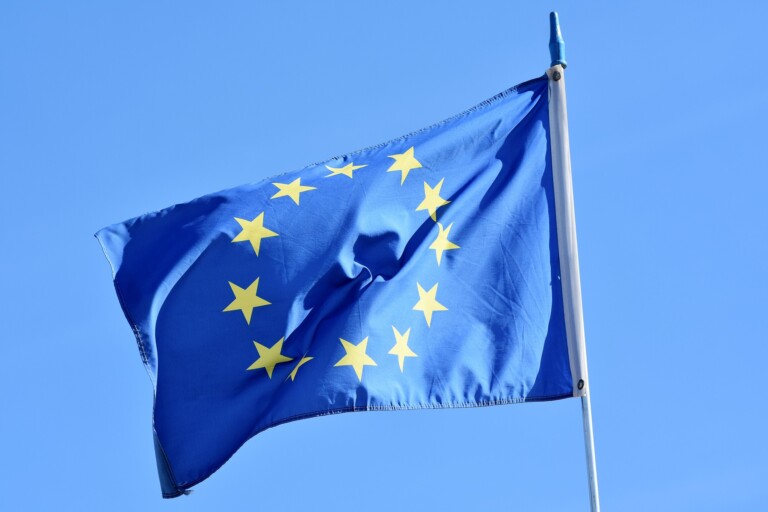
569, 264
569, 256
589, 444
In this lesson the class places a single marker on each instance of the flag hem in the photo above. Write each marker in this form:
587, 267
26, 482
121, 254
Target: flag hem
566, 230
126, 313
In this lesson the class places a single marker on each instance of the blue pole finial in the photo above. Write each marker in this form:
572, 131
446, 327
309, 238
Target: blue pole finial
556, 43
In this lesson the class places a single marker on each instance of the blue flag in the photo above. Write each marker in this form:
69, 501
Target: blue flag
418, 273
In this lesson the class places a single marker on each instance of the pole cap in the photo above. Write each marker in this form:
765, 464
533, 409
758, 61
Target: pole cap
556, 43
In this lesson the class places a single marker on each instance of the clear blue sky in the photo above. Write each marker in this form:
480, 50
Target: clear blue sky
111, 110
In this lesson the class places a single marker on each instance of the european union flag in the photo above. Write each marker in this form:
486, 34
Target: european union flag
418, 273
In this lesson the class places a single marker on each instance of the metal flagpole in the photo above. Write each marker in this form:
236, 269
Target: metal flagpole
566, 235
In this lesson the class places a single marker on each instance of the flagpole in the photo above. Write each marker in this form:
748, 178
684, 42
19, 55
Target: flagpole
569, 257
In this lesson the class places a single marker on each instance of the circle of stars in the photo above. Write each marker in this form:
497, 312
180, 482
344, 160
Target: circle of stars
255, 231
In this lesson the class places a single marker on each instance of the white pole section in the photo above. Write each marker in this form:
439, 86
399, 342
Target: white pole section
569, 263
589, 444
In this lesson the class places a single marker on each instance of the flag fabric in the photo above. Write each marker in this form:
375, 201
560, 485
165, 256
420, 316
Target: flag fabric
418, 273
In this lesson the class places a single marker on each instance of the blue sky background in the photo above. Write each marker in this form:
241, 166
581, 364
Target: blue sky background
110, 110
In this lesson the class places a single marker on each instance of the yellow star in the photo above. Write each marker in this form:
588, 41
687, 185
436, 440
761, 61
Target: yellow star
292, 190
401, 348
246, 299
405, 163
442, 243
432, 200
346, 170
253, 231
269, 357
299, 365
356, 357
428, 303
